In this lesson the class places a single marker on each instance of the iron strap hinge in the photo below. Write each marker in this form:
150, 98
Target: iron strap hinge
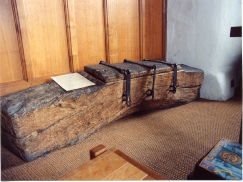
126, 72
150, 92
174, 83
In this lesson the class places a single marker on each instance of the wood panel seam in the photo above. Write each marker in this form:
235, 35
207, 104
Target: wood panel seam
68, 32
106, 30
19, 39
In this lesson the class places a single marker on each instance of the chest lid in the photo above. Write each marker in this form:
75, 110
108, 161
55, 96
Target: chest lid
113, 72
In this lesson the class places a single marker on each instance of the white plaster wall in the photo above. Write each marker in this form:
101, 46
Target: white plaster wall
198, 34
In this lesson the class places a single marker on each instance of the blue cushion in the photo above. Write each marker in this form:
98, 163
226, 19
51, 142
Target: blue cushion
224, 160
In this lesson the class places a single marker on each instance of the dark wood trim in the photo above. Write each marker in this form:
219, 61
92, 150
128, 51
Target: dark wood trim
68, 34
107, 46
164, 29
19, 39
141, 28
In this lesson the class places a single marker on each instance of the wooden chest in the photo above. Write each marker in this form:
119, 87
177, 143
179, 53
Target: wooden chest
43, 118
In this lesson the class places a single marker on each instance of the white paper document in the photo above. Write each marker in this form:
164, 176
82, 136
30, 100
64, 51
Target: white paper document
72, 81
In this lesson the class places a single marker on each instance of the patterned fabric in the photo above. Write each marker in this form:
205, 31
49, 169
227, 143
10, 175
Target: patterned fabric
224, 160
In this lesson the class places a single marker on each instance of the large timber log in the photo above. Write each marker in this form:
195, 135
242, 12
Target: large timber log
40, 119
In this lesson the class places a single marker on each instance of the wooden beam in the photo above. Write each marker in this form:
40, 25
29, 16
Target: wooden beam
46, 117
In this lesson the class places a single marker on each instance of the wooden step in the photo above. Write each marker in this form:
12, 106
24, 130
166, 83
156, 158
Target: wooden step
111, 165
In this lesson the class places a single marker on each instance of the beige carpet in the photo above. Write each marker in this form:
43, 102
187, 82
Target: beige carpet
168, 141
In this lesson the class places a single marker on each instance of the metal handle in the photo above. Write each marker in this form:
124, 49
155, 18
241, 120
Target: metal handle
174, 73
127, 74
128, 85
149, 92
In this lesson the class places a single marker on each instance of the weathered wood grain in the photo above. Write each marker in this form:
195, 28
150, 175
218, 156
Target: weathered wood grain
107, 74
44, 118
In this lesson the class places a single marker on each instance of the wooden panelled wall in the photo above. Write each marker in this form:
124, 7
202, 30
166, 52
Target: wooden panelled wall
42, 38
